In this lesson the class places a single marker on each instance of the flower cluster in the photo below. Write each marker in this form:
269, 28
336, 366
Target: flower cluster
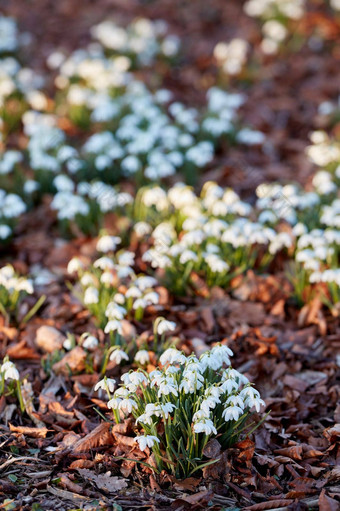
10, 377
12, 289
276, 15
134, 132
111, 289
182, 404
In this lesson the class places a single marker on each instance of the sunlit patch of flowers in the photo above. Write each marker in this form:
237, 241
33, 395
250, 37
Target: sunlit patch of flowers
133, 131
276, 16
111, 289
210, 235
10, 381
231, 57
183, 404
11, 207
13, 289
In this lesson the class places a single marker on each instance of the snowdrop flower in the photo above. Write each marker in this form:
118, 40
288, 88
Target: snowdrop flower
145, 441
205, 426
91, 296
167, 386
172, 356
229, 385
127, 405
10, 371
142, 229
75, 265
113, 404
223, 352
90, 342
167, 409
104, 263
216, 264
87, 279
118, 355
200, 415
133, 292
108, 243
115, 311
107, 278
165, 326
232, 413
105, 383
145, 282
126, 258
235, 401
114, 326
142, 357
210, 360
67, 344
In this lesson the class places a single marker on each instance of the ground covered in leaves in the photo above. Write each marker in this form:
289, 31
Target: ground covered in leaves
61, 454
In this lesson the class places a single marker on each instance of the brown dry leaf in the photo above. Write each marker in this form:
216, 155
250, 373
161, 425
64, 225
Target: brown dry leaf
326, 503
31, 432
70, 485
106, 482
212, 449
293, 452
332, 434
272, 504
101, 435
73, 361
201, 499
81, 464
188, 484
21, 351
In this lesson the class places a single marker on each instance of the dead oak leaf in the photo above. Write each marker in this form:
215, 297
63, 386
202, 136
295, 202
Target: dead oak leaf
31, 432
101, 435
106, 482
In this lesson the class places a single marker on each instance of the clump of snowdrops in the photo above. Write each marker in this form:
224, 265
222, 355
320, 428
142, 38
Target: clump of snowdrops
10, 381
111, 289
183, 404
13, 289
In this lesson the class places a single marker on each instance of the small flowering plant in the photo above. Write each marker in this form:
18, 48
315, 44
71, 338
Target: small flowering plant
13, 289
184, 403
10, 381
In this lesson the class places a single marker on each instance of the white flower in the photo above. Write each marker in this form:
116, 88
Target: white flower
115, 311
223, 353
114, 326
167, 386
10, 371
104, 263
142, 357
67, 344
126, 405
91, 296
210, 360
118, 355
145, 441
232, 413
172, 356
235, 401
205, 426
165, 326
107, 278
75, 265
87, 279
126, 258
114, 403
90, 342
105, 383
108, 243
167, 409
